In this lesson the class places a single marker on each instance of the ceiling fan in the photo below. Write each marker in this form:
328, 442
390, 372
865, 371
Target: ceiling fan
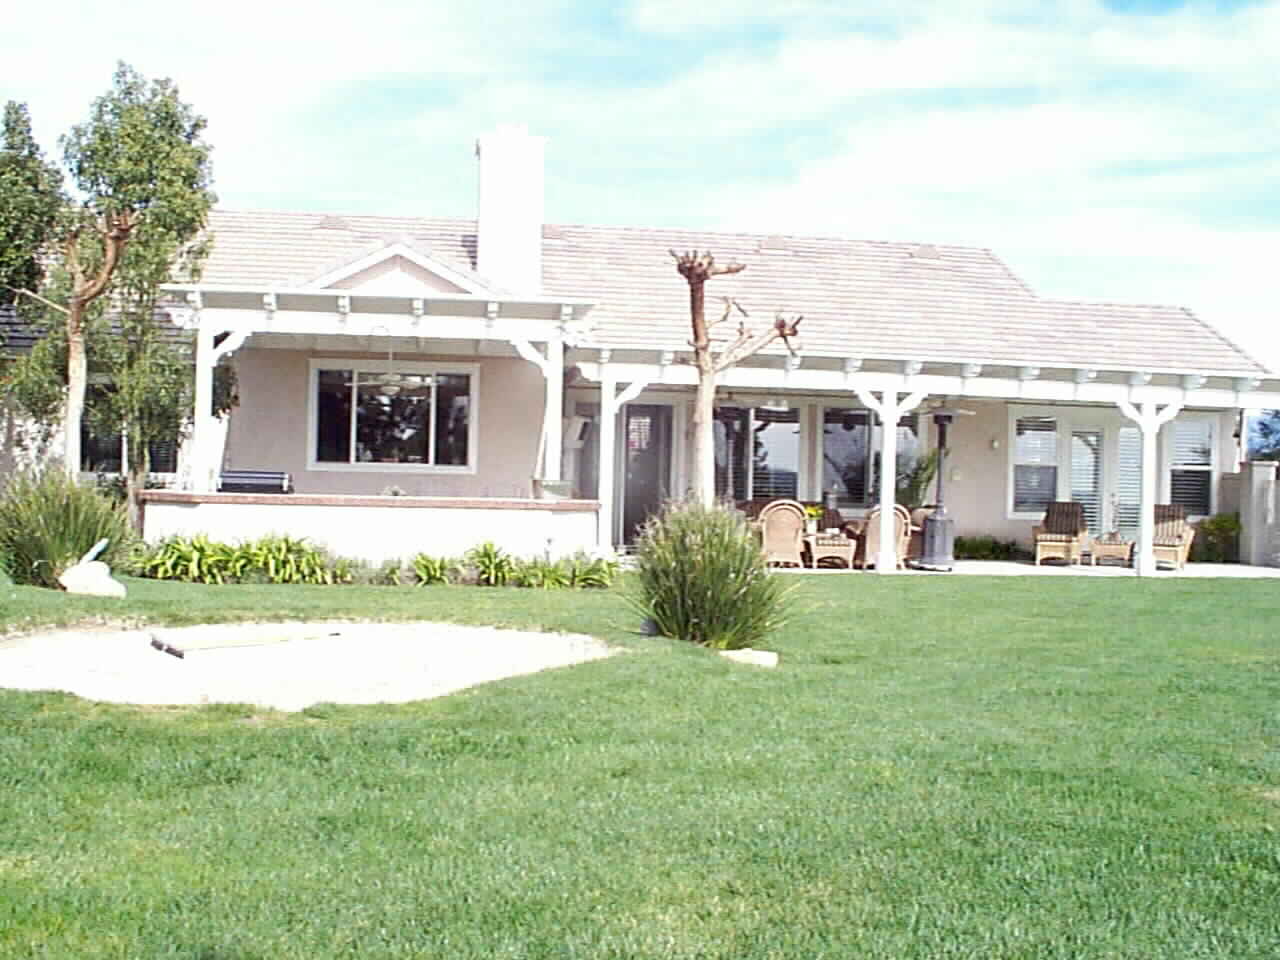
390, 383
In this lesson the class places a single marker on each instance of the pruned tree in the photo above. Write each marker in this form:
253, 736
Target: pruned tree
141, 169
697, 268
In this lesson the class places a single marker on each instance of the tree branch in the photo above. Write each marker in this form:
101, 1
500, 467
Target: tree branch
746, 345
35, 296
120, 225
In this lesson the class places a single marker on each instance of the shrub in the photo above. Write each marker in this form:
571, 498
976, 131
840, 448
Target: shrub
428, 570
493, 566
583, 570
1217, 539
269, 559
390, 573
48, 522
703, 578
985, 548
542, 572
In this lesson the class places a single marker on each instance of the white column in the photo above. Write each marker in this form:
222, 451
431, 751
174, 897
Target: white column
202, 425
1149, 420
553, 412
604, 467
890, 411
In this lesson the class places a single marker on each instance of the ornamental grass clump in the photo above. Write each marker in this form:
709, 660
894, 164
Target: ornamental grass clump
48, 522
703, 578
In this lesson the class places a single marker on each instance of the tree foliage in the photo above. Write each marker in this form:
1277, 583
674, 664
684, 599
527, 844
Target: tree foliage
31, 200
141, 169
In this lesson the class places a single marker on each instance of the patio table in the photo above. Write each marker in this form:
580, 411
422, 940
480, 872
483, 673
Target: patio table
830, 546
1110, 549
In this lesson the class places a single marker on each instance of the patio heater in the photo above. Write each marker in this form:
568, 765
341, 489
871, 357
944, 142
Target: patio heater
938, 550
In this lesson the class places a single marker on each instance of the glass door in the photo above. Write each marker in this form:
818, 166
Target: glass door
1086, 475
1128, 493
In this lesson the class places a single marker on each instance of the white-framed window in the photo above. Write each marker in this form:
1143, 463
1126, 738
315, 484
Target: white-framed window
758, 451
850, 451
1034, 458
1191, 464
106, 451
422, 417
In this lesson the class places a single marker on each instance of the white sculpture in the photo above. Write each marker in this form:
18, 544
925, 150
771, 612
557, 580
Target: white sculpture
91, 577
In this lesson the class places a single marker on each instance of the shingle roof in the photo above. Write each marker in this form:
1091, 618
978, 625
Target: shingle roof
859, 298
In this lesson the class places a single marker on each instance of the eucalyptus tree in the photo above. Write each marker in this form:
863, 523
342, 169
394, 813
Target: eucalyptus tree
140, 169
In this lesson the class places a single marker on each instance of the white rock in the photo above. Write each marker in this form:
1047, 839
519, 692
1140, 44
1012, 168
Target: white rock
92, 578
756, 658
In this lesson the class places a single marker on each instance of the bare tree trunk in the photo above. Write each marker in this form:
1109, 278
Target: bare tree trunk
77, 380
704, 440
135, 483
697, 269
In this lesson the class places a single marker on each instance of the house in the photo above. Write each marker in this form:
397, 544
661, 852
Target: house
433, 383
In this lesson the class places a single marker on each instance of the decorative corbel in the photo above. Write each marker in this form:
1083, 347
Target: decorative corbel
852, 365
344, 305
1084, 375
491, 312
793, 361
911, 367
1193, 381
1247, 384
1028, 373
1139, 378
417, 307
971, 370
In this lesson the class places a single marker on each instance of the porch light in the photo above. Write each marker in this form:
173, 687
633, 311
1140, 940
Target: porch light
938, 551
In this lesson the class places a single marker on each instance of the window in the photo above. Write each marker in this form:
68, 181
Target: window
423, 418
850, 465
757, 452
105, 452
1191, 466
1035, 464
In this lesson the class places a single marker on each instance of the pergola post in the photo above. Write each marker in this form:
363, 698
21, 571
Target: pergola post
888, 408
1149, 421
551, 365
202, 426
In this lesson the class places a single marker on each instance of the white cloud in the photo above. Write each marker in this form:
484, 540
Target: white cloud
1103, 155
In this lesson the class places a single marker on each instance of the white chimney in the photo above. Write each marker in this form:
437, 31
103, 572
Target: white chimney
509, 221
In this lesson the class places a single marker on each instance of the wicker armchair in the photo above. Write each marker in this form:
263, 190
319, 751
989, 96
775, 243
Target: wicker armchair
782, 531
869, 542
1172, 536
1064, 532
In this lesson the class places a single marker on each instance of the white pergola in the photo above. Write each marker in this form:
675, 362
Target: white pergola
224, 318
893, 386
545, 331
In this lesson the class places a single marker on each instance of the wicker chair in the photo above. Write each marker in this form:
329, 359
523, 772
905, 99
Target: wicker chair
1172, 536
869, 543
1064, 532
782, 531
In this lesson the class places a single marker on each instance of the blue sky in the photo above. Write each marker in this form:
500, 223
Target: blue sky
1124, 151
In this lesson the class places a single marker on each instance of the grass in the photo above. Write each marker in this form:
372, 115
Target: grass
946, 767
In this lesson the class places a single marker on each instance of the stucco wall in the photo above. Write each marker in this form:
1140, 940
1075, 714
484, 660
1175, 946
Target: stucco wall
268, 430
375, 532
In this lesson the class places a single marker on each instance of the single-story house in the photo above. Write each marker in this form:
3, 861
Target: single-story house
433, 383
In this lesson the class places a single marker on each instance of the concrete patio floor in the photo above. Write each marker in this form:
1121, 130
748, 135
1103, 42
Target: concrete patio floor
1010, 568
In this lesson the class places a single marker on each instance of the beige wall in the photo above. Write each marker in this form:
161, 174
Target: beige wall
268, 430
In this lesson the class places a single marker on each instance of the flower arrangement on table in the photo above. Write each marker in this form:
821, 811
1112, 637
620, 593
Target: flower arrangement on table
812, 514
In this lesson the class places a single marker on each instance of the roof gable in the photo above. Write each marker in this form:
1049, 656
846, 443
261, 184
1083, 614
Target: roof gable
396, 269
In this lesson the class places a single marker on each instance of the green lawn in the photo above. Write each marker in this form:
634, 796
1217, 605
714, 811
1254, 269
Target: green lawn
942, 767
